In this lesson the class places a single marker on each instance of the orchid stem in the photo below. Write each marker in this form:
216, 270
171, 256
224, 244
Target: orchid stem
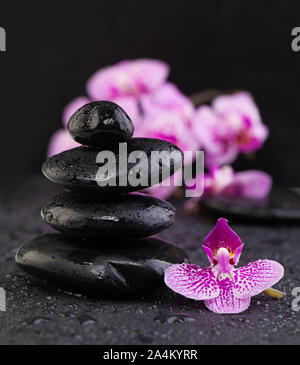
274, 293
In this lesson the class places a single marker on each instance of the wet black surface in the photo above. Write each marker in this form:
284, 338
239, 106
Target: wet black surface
38, 313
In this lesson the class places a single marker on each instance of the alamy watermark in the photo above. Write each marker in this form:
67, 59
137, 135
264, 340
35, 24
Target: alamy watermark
139, 169
2, 39
296, 300
296, 41
2, 300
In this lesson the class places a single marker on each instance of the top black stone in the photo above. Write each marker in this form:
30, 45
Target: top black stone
100, 123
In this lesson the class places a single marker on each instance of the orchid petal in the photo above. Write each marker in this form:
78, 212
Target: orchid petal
209, 254
168, 96
228, 154
192, 281
255, 277
255, 139
252, 184
241, 102
240, 112
60, 141
237, 254
127, 78
221, 178
147, 73
226, 303
232, 124
71, 108
222, 236
214, 136
161, 191
168, 125
130, 105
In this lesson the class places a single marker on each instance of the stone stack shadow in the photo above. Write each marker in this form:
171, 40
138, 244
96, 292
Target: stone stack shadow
104, 248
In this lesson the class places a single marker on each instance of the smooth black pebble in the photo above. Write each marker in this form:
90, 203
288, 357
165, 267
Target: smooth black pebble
77, 169
100, 123
282, 205
99, 268
127, 216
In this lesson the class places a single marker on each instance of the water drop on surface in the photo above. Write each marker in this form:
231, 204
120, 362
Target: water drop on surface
86, 320
174, 318
37, 321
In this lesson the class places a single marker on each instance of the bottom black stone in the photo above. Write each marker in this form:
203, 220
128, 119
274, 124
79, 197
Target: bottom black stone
99, 269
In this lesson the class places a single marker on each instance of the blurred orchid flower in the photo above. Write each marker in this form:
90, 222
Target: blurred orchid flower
251, 184
169, 97
230, 126
163, 192
71, 108
127, 78
223, 287
158, 109
60, 141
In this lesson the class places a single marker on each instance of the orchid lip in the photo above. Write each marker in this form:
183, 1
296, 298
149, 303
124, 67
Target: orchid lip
222, 236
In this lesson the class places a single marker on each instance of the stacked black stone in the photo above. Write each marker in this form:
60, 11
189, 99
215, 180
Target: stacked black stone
102, 249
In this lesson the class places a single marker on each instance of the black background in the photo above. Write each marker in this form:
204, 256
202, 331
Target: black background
54, 47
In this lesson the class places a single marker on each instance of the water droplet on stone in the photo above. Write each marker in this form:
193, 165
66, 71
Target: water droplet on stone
49, 216
112, 218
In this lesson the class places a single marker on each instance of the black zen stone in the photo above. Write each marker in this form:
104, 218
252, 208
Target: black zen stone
99, 268
100, 123
77, 169
128, 216
282, 205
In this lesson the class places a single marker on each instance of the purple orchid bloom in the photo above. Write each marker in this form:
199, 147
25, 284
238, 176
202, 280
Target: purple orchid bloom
231, 125
60, 141
214, 137
250, 184
71, 108
129, 77
223, 287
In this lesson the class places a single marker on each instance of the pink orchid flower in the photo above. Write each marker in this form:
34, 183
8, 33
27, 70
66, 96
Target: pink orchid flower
169, 98
251, 184
214, 137
60, 141
130, 77
230, 126
71, 108
223, 287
